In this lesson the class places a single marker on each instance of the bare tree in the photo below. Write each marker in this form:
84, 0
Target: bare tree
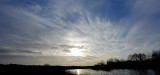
156, 54
137, 57
112, 60
100, 63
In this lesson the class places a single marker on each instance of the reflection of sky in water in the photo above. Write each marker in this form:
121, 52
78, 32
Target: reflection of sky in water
114, 72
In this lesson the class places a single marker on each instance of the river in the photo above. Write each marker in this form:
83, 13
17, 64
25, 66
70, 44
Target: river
113, 72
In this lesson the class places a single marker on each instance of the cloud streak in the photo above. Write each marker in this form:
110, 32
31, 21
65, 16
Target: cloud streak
53, 28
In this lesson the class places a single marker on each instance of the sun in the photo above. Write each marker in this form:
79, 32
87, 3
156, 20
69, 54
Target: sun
76, 52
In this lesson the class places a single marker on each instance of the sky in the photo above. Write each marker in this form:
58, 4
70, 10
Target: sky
76, 32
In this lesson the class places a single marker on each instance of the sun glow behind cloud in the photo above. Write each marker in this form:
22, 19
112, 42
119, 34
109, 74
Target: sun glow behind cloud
76, 52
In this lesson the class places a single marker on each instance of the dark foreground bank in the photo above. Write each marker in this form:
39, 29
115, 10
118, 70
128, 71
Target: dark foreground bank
38, 69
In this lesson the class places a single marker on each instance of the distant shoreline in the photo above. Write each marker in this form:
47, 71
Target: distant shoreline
135, 61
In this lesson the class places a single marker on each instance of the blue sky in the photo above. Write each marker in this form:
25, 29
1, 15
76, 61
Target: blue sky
79, 32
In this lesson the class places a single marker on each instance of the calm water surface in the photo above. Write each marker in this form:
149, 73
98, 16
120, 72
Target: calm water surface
113, 72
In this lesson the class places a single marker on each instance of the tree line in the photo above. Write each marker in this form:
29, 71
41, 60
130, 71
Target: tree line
134, 61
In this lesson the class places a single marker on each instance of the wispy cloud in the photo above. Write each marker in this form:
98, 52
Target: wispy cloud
53, 28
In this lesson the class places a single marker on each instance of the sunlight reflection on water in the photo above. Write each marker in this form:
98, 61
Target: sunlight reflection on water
78, 71
113, 72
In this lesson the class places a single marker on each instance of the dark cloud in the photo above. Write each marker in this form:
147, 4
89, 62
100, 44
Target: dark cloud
89, 57
5, 51
68, 51
71, 46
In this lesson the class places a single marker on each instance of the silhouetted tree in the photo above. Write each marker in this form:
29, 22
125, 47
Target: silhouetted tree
133, 57
155, 54
142, 56
112, 60
100, 63
137, 57
46, 65
135, 61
